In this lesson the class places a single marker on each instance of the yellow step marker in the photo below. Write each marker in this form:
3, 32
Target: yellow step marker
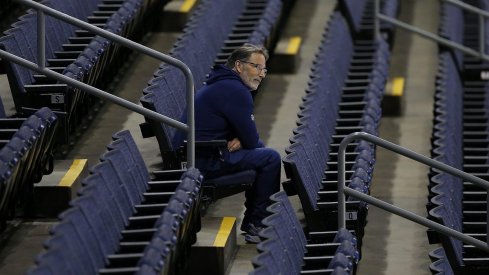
224, 231
187, 5
73, 173
293, 45
397, 86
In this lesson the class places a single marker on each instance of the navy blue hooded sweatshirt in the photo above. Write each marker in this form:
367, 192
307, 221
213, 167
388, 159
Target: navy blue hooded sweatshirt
224, 109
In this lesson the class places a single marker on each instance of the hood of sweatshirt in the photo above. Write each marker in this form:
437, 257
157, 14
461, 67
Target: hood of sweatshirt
221, 72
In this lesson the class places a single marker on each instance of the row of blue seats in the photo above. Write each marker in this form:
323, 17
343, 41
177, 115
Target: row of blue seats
75, 53
97, 60
245, 21
468, 139
319, 110
9, 12
452, 28
360, 16
60, 52
285, 248
343, 96
462, 27
123, 222
21, 40
262, 29
471, 28
459, 139
25, 156
446, 190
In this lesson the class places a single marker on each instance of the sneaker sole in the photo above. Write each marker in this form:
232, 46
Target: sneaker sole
252, 239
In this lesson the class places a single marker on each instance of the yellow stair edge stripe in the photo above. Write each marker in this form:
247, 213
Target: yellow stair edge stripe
397, 86
187, 5
73, 173
224, 231
293, 45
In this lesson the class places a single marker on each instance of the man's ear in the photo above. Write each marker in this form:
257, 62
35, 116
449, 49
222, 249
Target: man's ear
238, 66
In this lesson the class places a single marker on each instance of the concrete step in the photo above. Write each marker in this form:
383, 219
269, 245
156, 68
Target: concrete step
53, 194
215, 248
286, 55
176, 14
393, 103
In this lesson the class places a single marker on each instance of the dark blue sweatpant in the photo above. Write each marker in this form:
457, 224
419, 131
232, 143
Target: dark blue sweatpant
267, 164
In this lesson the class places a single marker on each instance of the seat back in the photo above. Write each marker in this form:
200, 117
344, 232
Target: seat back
25, 157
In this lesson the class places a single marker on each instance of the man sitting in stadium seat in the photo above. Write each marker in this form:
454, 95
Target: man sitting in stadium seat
224, 110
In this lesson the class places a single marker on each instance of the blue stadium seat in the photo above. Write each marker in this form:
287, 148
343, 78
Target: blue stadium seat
26, 156
285, 248
440, 264
53, 261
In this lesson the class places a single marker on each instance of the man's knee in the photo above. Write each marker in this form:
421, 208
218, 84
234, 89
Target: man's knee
262, 158
274, 158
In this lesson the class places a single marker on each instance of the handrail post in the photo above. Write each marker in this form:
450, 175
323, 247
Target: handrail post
41, 39
376, 20
482, 35
341, 186
190, 122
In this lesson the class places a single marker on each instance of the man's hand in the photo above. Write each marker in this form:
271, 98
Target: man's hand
234, 145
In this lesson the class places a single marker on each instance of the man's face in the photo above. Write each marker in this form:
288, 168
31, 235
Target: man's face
253, 70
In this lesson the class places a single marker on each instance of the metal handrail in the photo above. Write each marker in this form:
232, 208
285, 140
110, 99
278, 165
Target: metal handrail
446, 42
342, 189
40, 68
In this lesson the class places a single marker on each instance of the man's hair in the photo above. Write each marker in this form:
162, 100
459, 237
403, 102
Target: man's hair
244, 52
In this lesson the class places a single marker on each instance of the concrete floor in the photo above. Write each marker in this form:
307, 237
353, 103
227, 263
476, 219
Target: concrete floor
391, 245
